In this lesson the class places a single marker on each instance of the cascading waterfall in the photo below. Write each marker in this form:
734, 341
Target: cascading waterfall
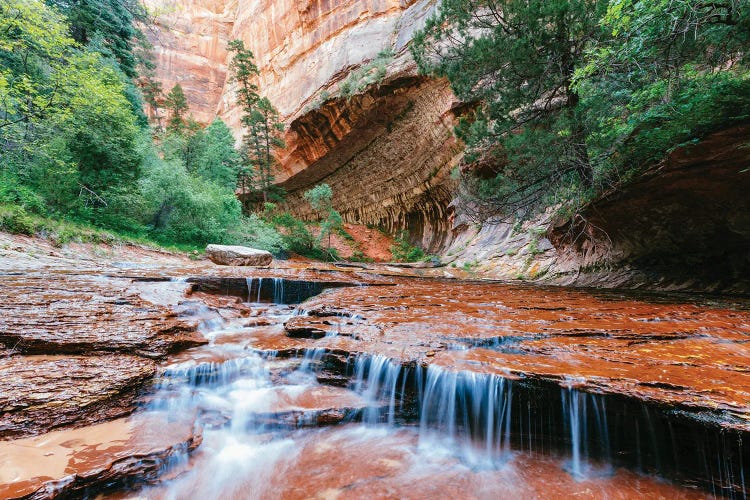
484, 420
488, 416
376, 378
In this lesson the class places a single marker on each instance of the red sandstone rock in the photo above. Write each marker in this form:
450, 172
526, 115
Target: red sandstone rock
71, 314
684, 354
67, 462
47, 392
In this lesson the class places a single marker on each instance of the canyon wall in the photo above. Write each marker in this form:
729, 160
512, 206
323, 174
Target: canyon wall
682, 225
189, 40
358, 115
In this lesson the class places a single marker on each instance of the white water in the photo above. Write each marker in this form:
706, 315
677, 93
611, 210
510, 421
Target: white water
465, 419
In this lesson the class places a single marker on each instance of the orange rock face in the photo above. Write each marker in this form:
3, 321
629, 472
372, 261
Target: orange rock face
190, 39
358, 116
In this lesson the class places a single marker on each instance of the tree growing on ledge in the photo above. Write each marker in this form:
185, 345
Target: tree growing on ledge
263, 127
516, 60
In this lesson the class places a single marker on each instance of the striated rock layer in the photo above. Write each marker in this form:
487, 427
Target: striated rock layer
358, 116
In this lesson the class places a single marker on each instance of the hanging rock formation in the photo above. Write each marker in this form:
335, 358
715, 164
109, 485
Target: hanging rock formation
358, 116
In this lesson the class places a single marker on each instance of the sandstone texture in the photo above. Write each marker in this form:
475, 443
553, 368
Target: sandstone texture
190, 48
72, 314
691, 355
67, 463
232, 255
47, 392
359, 117
681, 225
78, 345
384, 143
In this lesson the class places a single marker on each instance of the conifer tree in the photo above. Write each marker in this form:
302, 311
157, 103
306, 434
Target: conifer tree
262, 124
516, 60
176, 103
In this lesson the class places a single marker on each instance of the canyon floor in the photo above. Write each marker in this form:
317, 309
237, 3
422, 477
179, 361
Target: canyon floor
133, 373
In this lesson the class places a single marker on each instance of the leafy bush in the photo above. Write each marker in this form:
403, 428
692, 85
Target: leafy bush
404, 251
14, 219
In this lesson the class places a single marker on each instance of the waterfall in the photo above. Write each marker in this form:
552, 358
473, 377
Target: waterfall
376, 378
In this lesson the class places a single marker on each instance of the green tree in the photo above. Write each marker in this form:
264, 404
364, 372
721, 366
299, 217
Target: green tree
218, 160
321, 200
668, 72
262, 139
177, 104
68, 129
262, 125
111, 21
516, 60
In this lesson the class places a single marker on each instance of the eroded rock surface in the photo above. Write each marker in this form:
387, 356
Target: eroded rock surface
46, 392
686, 354
68, 463
73, 314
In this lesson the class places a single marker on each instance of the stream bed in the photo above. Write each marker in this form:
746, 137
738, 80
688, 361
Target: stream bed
342, 384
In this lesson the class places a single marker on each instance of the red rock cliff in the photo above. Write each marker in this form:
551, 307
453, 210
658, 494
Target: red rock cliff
358, 116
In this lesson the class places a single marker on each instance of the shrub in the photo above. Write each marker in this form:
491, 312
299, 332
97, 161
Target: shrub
14, 219
404, 251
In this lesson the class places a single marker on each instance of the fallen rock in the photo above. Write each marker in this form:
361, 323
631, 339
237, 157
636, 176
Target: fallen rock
79, 462
233, 255
40, 393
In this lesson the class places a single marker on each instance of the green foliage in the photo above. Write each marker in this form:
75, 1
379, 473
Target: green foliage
321, 200
112, 22
218, 161
295, 235
575, 97
256, 232
365, 76
177, 104
404, 251
516, 60
14, 219
186, 208
262, 123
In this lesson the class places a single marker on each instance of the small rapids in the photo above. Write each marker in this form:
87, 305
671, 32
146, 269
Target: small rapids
272, 429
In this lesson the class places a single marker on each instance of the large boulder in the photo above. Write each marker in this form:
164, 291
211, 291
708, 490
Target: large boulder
231, 255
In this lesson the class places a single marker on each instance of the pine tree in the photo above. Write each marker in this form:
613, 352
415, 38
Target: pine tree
262, 124
176, 103
516, 60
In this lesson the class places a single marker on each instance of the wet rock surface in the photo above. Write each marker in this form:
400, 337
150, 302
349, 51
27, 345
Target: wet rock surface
72, 463
681, 352
74, 314
47, 392
463, 388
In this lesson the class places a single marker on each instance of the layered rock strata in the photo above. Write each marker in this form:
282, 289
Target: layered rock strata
70, 464
358, 116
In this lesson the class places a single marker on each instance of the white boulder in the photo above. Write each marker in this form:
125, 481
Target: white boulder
233, 255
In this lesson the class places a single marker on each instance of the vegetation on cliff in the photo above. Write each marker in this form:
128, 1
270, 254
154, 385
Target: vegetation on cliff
77, 150
576, 97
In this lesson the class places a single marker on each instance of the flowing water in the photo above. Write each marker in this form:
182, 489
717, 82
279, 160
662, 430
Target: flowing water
318, 424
